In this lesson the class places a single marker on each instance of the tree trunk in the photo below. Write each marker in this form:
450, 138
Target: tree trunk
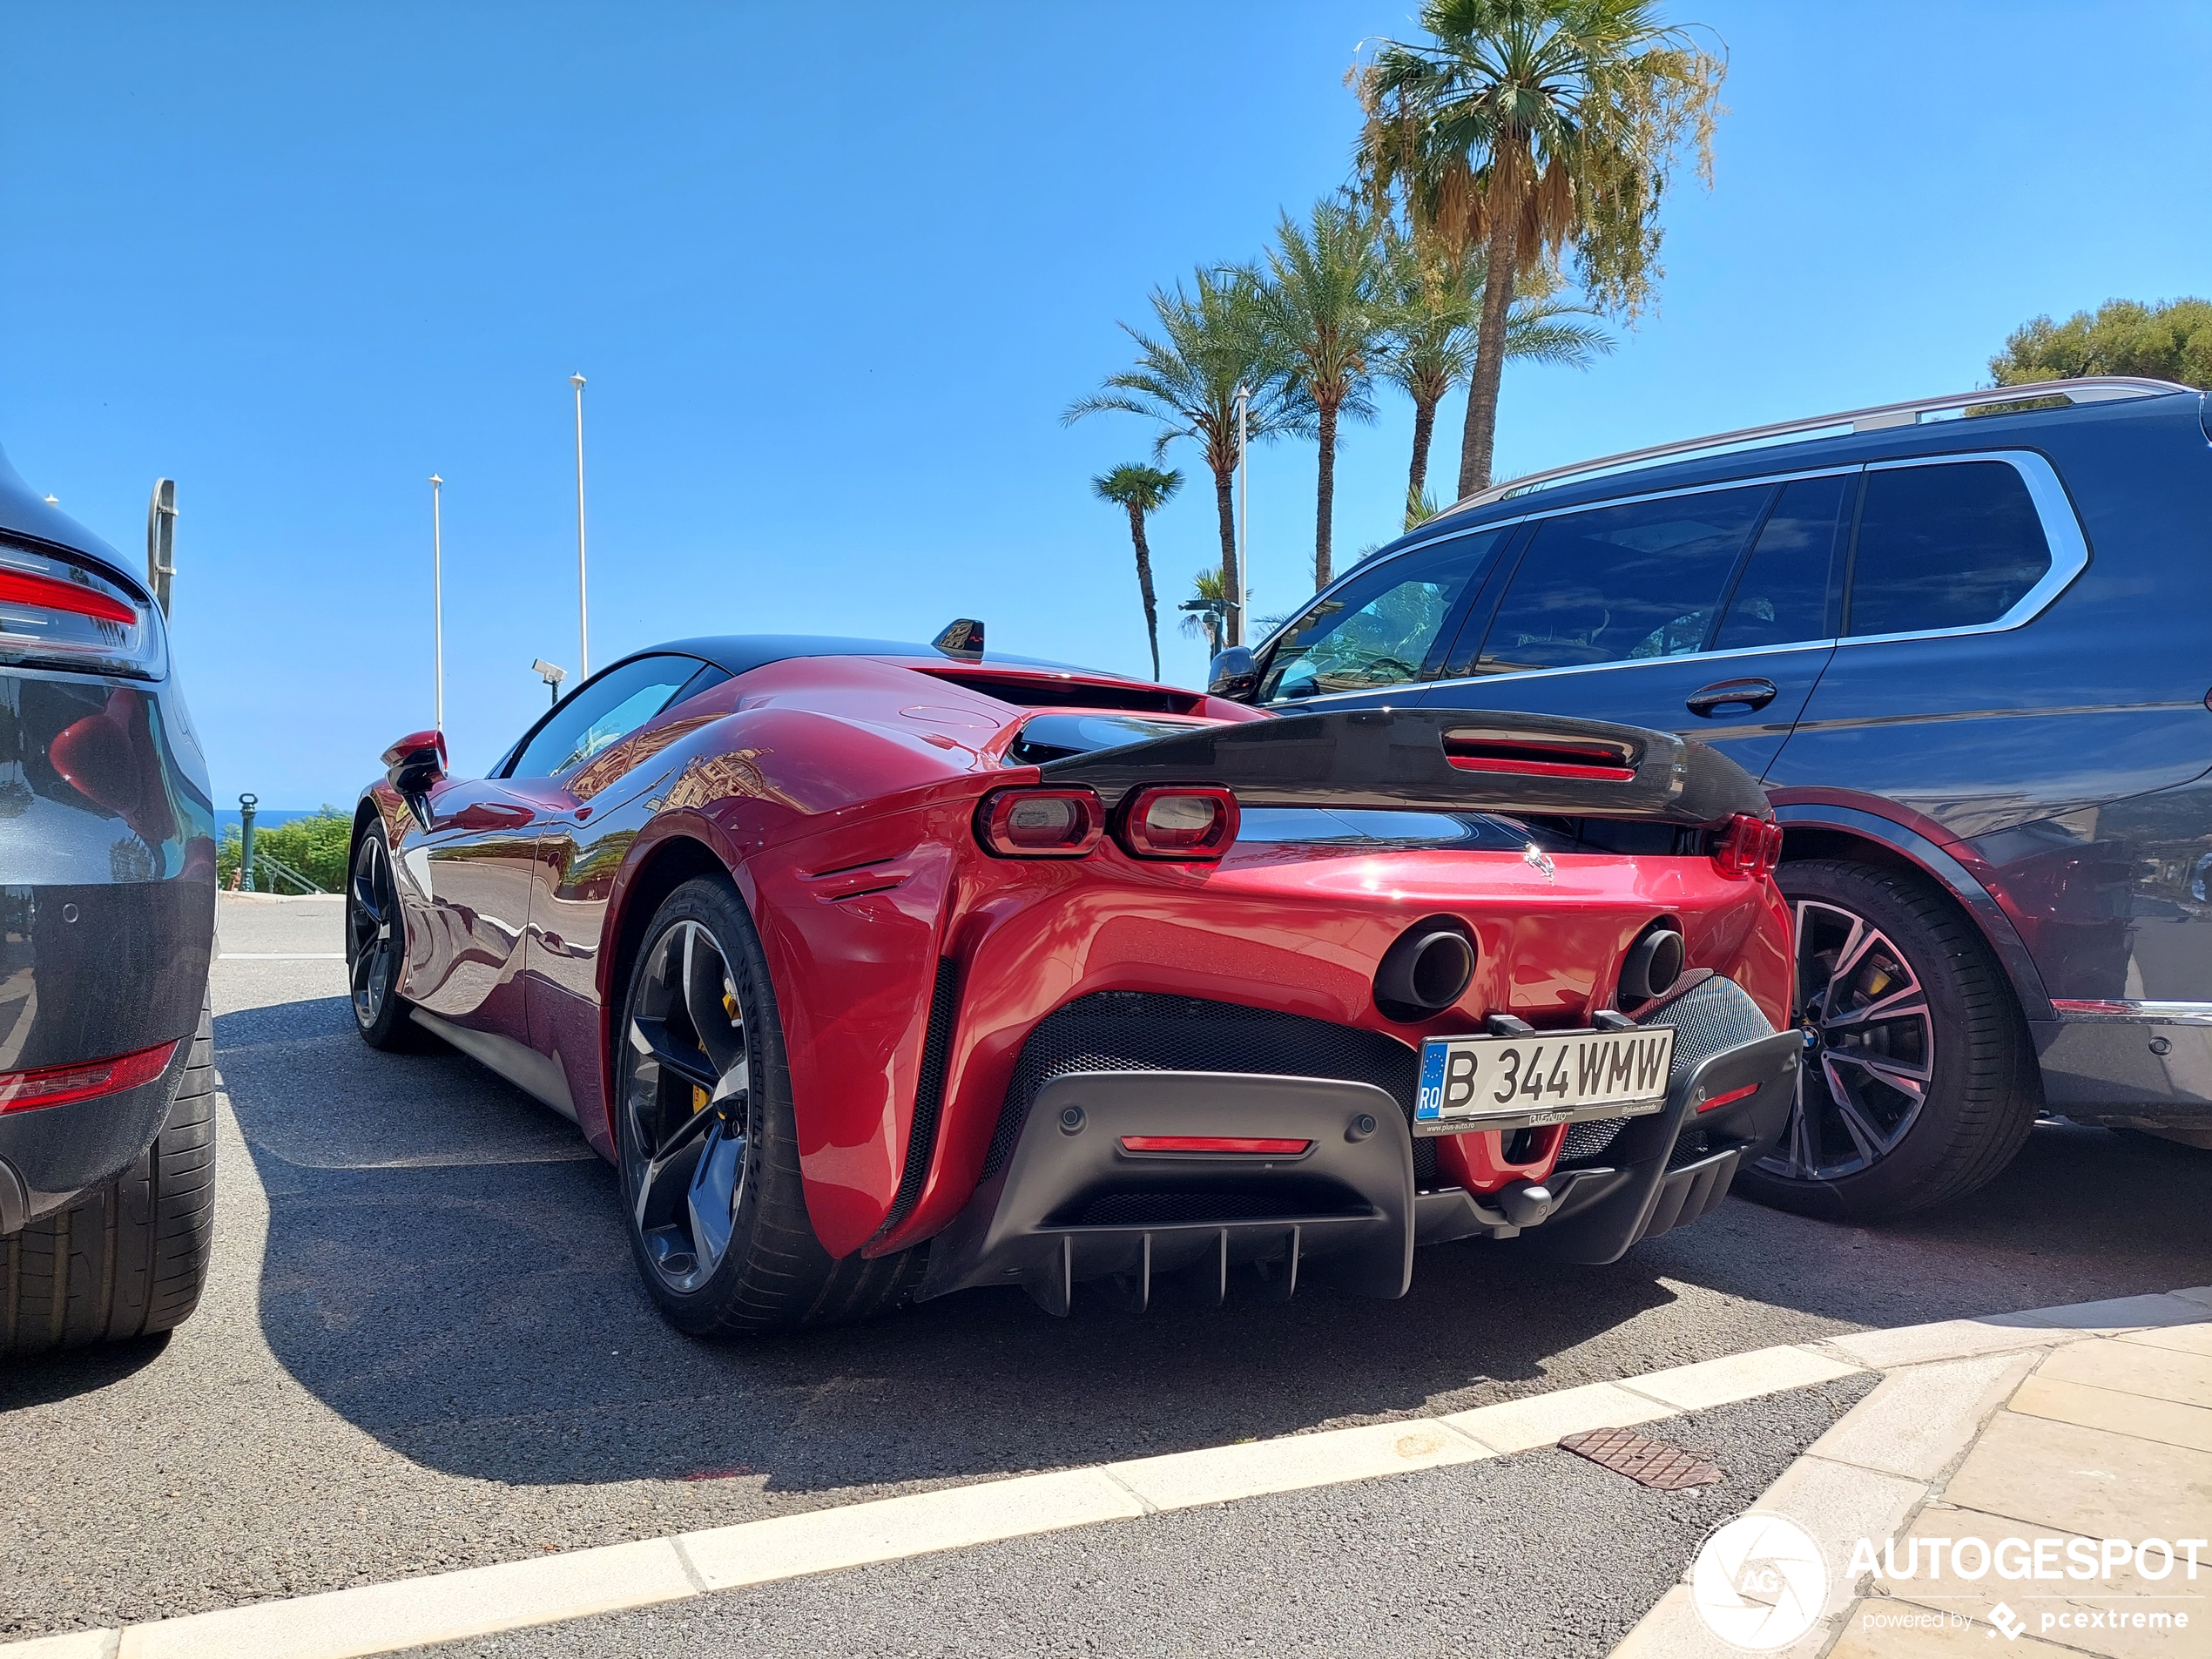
1144, 583
1481, 435
1233, 629
1424, 431
1324, 497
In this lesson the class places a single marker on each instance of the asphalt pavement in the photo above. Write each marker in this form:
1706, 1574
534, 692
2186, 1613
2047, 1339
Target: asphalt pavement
1540, 1555
424, 1348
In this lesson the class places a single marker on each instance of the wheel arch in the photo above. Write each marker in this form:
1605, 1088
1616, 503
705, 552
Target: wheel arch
1820, 829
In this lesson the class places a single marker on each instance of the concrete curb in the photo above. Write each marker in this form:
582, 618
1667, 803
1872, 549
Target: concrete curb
1868, 1467
1886, 1458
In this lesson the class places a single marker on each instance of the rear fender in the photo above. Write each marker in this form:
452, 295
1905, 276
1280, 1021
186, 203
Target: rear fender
1825, 823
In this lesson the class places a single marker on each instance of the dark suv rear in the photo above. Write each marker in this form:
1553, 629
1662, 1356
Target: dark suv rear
1961, 643
107, 912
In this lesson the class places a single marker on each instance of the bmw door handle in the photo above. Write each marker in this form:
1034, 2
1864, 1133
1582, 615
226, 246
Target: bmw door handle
1749, 695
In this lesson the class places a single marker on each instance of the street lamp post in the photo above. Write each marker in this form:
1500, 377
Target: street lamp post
583, 614
437, 606
1244, 513
246, 806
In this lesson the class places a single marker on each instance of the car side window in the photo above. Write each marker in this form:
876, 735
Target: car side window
1945, 546
1781, 597
1622, 583
602, 714
1378, 628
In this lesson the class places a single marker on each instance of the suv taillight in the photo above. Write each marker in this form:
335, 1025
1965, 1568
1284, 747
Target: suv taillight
1040, 823
1179, 821
1748, 848
58, 613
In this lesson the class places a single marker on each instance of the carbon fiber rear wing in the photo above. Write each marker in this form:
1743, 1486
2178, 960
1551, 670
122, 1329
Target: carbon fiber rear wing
1448, 759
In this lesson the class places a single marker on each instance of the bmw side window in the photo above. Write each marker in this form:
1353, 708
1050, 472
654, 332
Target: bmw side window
602, 714
1642, 580
1945, 546
1781, 597
1377, 629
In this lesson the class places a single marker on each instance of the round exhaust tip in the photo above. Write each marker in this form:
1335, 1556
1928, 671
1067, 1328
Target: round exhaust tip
1653, 965
1426, 970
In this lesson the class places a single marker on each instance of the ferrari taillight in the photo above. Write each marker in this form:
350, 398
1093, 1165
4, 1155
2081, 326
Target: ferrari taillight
59, 613
1040, 823
1179, 821
1748, 848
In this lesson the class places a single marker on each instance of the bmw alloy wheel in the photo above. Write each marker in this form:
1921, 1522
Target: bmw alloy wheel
687, 1096
1869, 1047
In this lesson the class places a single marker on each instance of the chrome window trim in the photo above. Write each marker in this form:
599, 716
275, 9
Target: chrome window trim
2061, 532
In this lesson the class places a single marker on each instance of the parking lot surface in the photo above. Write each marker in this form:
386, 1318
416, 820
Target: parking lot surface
424, 1347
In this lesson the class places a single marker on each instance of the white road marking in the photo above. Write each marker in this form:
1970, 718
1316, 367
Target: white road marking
450, 1607
280, 956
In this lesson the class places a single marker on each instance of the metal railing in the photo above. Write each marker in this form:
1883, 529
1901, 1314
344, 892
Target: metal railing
2091, 388
279, 869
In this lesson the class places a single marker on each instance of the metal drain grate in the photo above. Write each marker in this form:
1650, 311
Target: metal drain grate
1651, 1463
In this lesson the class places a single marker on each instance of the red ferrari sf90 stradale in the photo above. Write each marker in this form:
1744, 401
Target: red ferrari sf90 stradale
882, 971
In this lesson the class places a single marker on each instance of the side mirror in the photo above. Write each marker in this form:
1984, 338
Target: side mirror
1235, 675
415, 762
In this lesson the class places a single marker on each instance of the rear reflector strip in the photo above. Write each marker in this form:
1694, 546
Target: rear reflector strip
1251, 1145
1600, 761
20, 587
1732, 1098
22, 1091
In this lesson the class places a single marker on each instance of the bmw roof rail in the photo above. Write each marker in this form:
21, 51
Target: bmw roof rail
2090, 388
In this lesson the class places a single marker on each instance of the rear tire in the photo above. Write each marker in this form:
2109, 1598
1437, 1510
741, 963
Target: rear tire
708, 1142
131, 1259
1921, 1103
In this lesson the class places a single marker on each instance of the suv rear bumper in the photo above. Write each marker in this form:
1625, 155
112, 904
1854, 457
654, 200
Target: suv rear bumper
51, 1155
2147, 1063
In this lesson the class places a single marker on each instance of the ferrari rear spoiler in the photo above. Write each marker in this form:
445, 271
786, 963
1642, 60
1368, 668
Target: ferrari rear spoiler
1452, 759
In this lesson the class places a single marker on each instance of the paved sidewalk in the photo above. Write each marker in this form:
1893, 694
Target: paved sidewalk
2061, 1429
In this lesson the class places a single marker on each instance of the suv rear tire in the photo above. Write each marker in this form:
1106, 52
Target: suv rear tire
1928, 1098
130, 1259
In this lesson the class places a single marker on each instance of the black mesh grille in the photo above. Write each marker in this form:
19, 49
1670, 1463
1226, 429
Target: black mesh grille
1714, 1015
1146, 1031
1586, 1140
929, 1092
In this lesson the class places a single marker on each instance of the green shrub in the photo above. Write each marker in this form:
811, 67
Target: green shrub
315, 847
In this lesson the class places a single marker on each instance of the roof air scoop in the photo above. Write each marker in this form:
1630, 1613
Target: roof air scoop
963, 640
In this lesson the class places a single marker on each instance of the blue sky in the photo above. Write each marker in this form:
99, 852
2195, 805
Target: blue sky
833, 274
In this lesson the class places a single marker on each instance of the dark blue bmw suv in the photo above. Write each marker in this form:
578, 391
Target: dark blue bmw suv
1958, 641
107, 923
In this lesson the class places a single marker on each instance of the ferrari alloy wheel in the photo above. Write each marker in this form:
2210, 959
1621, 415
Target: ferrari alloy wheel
708, 1139
1916, 1085
376, 948
689, 1105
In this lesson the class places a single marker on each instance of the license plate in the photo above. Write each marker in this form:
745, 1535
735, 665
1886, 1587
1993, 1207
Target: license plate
1541, 1077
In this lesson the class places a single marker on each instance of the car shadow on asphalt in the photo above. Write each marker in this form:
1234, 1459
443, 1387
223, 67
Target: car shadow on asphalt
446, 1269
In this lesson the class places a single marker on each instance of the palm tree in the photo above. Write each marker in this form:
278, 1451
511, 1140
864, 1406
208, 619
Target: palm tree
1205, 623
1532, 128
1141, 489
1434, 301
1210, 343
1328, 310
